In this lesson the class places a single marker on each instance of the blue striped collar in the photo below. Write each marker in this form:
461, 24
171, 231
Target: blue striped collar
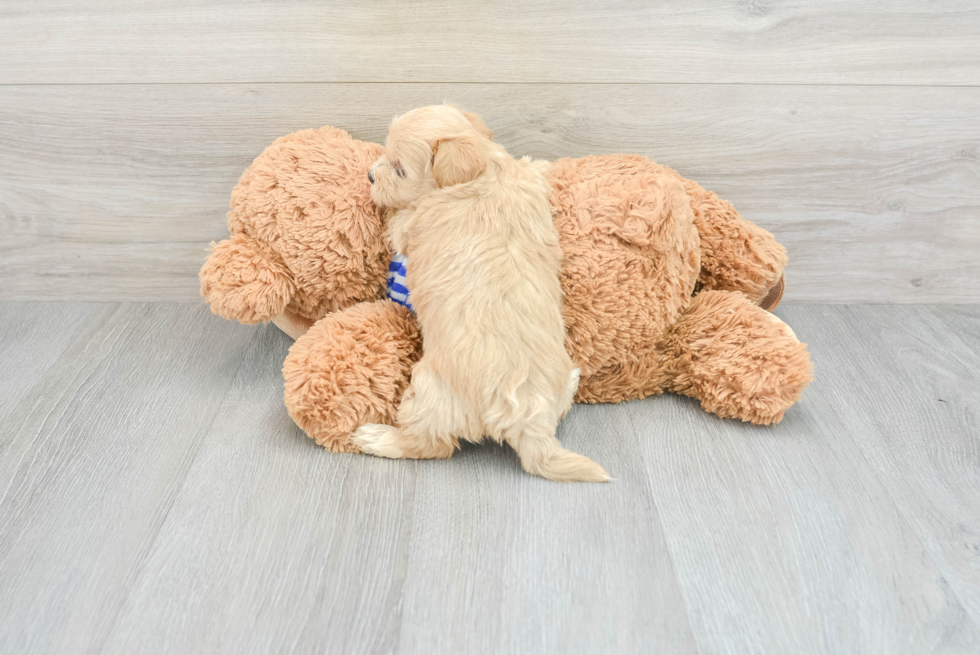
397, 282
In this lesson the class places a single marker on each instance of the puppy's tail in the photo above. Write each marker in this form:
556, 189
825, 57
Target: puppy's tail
549, 460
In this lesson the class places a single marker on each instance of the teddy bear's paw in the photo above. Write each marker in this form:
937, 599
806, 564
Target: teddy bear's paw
775, 294
378, 440
245, 281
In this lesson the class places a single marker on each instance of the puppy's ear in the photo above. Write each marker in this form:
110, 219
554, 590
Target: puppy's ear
459, 159
477, 123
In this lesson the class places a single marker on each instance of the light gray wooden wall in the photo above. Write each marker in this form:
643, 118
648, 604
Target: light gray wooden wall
851, 129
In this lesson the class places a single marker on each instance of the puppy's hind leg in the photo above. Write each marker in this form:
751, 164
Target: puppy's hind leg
381, 441
541, 454
429, 417
566, 401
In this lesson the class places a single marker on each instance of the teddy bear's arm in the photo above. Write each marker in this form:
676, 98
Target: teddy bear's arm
351, 368
736, 255
245, 281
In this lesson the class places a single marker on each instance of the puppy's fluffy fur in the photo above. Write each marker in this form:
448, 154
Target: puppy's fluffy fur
483, 271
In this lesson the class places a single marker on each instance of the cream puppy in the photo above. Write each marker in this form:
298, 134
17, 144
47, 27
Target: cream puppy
483, 271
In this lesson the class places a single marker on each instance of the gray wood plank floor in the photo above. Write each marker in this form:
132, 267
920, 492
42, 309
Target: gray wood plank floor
156, 498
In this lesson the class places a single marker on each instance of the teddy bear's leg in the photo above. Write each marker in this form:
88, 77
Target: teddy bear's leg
351, 368
245, 281
739, 360
736, 255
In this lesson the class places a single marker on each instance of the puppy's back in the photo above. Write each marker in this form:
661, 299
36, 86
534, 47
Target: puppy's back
484, 275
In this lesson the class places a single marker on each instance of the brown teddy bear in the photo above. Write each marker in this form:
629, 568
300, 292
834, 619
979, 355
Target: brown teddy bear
666, 287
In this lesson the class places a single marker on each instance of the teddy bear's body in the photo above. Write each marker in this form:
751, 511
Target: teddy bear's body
638, 241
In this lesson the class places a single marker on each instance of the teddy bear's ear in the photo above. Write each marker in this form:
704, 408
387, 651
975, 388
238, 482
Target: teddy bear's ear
477, 123
459, 159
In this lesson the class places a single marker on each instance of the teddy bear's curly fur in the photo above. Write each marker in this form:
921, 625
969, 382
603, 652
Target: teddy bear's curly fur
662, 280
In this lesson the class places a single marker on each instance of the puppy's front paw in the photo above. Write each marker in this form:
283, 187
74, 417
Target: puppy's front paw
378, 440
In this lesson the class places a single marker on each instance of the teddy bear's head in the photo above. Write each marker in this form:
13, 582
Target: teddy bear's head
306, 235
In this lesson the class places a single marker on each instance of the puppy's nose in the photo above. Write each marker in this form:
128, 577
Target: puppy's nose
371, 175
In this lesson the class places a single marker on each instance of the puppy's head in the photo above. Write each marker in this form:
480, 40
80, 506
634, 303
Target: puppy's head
429, 148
